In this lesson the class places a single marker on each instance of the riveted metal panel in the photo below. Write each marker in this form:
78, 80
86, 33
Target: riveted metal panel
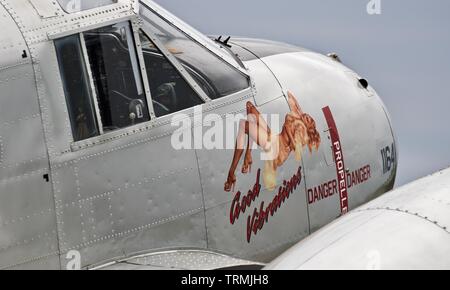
46, 262
51, 98
122, 192
320, 82
12, 43
23, 128
266, 85
369, 137
27, 227
17, 140
426, 198
214, 164
18, 107
306, 78
407, 228
15, 71
177, 233
27, 215
181, 260
233, 237
37, 29
46, 9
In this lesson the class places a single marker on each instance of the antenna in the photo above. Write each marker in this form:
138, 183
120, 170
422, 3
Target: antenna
223, 42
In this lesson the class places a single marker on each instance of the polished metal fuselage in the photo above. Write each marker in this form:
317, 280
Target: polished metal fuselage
130, 192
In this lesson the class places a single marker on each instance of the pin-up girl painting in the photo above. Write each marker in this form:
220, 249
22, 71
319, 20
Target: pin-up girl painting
299, 131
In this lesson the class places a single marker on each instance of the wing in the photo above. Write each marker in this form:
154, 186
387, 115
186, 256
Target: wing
181, 260
408, 228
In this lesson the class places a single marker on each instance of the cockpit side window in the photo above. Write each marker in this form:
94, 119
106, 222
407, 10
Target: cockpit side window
102, 72
170, 91
102, 80
76, 86
116, 73
215, 76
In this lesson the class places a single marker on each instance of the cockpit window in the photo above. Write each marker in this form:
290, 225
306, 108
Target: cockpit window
76, 86
170, 91
72, 6
116, 74
215, 76
102, 80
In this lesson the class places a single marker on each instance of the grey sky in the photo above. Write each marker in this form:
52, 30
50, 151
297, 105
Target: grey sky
404, 53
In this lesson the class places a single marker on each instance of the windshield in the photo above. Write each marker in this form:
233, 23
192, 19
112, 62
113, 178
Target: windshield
71, 6
193, 33
223, 78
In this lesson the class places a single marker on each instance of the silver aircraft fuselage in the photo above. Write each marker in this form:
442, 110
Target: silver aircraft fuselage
124, 190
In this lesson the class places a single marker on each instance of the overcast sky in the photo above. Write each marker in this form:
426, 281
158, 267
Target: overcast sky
404, 53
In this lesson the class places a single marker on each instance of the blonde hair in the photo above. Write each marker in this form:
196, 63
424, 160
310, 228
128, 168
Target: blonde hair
314, 139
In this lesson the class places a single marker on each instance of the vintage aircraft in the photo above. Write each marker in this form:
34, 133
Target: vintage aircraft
89, 177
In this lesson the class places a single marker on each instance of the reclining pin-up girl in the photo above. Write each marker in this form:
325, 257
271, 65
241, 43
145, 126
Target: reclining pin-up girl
299, 131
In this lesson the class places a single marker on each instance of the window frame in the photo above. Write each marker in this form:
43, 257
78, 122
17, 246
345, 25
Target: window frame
136, 24
174, 61
142, 75
91, 85
210, 45
134, 28
140, 58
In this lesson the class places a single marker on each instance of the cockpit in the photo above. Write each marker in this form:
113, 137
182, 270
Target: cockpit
131, 72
